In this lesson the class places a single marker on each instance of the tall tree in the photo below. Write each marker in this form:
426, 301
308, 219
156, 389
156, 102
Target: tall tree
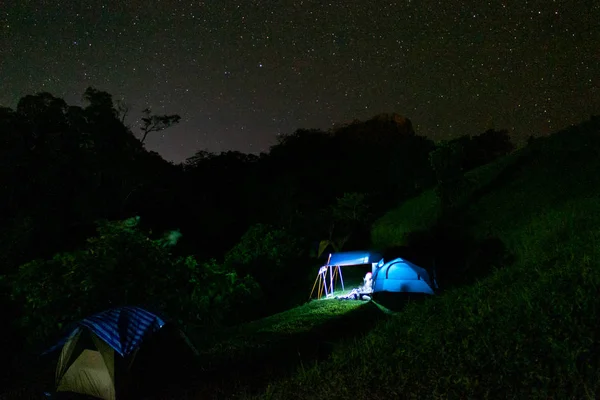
156, 123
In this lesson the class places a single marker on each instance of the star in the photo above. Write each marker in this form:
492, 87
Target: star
451, 70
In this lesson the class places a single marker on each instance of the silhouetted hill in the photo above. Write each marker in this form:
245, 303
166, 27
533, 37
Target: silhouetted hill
381, 124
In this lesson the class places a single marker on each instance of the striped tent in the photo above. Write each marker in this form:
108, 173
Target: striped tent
123, 328
99, 354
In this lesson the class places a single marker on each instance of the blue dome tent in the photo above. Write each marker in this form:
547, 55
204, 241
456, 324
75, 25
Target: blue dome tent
402, 276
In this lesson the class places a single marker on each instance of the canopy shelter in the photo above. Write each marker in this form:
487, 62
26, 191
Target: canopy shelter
332, 271
402, 276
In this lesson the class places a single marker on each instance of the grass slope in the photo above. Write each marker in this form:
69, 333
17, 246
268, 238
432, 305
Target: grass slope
248, 357
422, 212
530, 330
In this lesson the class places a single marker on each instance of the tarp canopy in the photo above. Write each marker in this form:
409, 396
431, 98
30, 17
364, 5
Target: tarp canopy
354, 258
332, 271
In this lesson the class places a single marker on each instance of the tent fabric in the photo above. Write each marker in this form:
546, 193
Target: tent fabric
123, 328
89, 375
74, 329
353, 258
68, 349
401, 276
86, 366
108, 355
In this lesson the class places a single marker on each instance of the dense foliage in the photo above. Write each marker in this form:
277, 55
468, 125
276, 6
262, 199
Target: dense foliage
122, 266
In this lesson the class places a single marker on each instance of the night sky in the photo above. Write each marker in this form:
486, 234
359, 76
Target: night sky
241, 72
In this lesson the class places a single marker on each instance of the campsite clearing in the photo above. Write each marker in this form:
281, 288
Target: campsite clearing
247, 358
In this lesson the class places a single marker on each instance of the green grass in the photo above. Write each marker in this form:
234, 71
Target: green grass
246, 358
422, 212
417, 214
530, 330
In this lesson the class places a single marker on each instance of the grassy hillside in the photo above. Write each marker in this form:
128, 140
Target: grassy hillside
530, 329
416, 214
422, 212
248, 357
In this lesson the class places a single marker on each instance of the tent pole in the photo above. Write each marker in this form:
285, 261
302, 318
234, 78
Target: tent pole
335, 274
341, 277
313, 288
330, 279
329, 267
320, 286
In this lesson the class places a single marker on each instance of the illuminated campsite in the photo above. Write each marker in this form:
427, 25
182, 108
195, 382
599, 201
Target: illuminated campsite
290, 200
397, 276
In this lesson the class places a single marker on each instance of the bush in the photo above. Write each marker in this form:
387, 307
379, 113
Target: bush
123, 266
274, 258
264, 252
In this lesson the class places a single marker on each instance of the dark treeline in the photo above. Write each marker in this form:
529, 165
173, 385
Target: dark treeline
90, 218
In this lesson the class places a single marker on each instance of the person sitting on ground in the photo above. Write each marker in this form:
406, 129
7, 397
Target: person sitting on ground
361, 292
367, 287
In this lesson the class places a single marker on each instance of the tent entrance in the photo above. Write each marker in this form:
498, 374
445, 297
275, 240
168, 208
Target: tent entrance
89, 375
86, 366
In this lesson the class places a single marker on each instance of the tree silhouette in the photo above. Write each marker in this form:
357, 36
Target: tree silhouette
490, 145
157, 123
122, 110
100, 103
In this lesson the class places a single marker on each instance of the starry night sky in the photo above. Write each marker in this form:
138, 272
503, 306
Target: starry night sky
241, 72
